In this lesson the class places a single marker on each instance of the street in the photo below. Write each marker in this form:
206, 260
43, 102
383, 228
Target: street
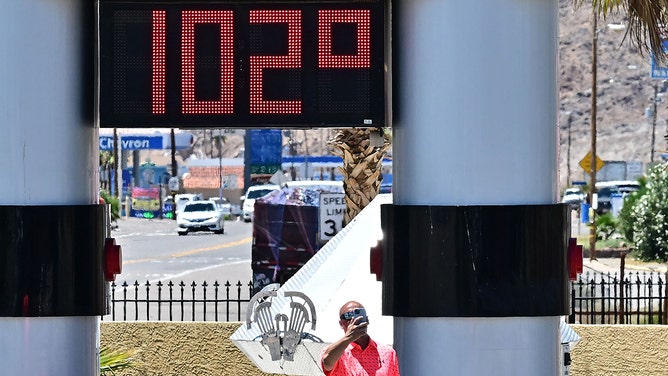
152, 251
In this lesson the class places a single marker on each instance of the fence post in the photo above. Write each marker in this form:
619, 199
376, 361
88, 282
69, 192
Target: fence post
665, 300
622, 262
571, 317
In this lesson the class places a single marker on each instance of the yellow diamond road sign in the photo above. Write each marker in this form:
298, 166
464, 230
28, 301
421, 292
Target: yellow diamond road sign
585, 163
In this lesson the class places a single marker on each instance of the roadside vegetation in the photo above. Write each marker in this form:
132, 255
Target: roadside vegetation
114, 202
112, 362
642, 223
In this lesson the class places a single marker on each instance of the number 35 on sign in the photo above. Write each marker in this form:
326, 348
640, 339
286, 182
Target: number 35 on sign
332, 209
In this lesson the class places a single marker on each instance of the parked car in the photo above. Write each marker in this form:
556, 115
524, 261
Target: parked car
607, 189
254, 192
222, 204
604, 199
574, 197
200, 215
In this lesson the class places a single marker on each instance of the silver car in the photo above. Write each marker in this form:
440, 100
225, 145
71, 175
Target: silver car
200, 216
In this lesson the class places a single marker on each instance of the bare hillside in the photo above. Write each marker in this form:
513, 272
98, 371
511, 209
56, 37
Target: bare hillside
625, 90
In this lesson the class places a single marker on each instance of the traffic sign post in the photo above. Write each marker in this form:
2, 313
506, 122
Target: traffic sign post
585, 163
174, 187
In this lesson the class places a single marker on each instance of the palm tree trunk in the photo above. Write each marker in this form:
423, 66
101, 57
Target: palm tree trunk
362, 167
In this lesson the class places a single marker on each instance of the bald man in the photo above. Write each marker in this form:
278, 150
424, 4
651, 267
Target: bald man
356, 353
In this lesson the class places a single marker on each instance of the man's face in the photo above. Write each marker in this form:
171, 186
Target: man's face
347, 308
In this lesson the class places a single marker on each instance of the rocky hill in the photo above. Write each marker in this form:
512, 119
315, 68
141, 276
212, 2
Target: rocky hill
625, 90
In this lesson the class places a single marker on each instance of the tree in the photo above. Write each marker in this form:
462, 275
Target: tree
362, 165
646, 20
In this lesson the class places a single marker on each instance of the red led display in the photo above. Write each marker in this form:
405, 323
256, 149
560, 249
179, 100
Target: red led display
251, 64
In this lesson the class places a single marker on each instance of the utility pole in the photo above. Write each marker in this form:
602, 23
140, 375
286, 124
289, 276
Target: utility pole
654, 100
175, 172
220, 165
568, 151
592, 168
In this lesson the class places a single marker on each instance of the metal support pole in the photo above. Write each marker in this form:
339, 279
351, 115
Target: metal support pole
592, 168
220, 165
52, 150
175, 172
427, 89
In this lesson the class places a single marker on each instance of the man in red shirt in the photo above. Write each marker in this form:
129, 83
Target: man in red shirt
356, 353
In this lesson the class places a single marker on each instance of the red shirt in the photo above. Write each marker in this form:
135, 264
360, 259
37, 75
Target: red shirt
377, 360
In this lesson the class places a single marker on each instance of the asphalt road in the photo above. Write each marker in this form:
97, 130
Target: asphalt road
153, 251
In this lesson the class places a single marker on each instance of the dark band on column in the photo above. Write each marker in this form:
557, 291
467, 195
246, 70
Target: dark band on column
51, 260
475, 261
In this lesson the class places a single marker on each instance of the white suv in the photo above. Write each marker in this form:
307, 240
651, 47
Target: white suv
254, 192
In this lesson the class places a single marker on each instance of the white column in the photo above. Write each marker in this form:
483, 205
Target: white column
50, 151
476, 125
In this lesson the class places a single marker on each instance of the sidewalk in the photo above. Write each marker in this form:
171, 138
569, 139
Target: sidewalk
612, 265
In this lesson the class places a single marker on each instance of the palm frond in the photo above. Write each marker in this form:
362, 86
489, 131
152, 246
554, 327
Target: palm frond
646, 22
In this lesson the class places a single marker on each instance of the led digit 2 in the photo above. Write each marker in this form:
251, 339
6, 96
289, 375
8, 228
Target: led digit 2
258, 105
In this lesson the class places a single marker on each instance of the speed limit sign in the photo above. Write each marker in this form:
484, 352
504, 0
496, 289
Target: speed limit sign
332, 209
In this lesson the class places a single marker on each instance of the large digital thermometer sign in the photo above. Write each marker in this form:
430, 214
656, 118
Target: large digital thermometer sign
241, 64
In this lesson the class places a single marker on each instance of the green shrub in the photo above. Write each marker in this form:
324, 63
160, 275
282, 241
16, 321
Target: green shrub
606, 226
114, 202
649, 217
626, 218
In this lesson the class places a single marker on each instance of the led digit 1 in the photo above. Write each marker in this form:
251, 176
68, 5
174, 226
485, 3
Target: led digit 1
292, 60
361, 17
158, 62
190, 105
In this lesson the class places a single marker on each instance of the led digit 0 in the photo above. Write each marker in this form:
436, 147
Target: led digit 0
226, 103
292, 60
361, 17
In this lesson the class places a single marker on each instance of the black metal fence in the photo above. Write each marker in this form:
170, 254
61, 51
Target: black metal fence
596, 298
607, 298
179, 302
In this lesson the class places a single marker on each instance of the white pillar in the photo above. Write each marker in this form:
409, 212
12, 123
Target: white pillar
50, 150
476, 124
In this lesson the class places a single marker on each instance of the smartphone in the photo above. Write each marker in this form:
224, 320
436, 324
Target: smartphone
360, 312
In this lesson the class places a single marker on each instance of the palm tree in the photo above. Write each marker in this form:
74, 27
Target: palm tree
646, 22
362, 165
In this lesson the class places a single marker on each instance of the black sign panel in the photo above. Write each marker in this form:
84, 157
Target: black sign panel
249, 64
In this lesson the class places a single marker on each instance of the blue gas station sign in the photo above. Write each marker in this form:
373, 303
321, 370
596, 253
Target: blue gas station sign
266, 154
132, 142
